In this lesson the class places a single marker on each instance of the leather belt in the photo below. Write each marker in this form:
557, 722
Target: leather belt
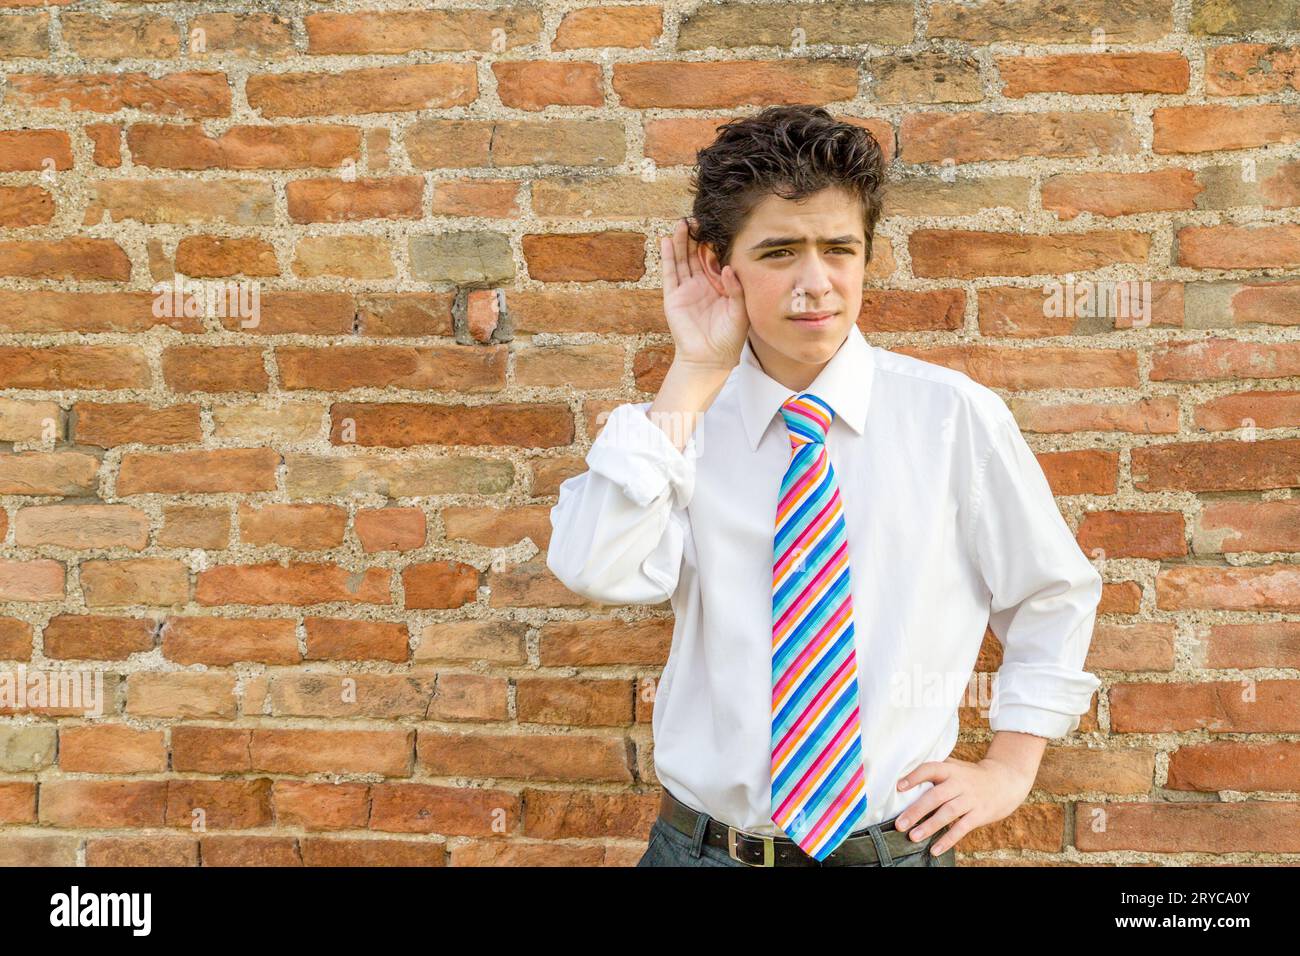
757, 850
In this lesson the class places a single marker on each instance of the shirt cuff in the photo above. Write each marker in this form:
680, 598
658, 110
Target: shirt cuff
635, 454
1041, 699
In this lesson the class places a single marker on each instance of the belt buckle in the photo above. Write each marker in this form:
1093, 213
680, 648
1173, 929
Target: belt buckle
769, 847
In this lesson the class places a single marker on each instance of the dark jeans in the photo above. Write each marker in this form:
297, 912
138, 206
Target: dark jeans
670, 847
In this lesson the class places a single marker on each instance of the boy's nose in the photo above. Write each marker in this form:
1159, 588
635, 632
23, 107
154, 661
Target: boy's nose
810, 297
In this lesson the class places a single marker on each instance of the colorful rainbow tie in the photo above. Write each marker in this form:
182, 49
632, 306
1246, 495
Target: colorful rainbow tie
818, 788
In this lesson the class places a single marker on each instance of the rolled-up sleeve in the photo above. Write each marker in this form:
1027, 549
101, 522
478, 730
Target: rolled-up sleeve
619, 529
1044, 591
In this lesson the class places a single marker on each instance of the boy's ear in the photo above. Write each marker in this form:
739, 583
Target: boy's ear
712, 268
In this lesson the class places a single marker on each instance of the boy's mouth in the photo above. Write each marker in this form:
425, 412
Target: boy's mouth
814, 319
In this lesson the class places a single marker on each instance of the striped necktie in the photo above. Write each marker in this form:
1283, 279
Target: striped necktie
818, 788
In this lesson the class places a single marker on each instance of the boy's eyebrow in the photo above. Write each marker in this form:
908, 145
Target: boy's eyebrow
796, 241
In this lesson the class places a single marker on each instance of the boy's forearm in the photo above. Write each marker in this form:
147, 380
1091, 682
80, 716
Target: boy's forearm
1023, 751
686, 394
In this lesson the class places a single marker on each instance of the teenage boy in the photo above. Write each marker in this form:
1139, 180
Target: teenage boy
835, 525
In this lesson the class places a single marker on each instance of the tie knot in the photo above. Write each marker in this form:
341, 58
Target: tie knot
808, 419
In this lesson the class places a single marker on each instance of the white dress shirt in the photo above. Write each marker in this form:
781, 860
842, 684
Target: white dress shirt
951, 526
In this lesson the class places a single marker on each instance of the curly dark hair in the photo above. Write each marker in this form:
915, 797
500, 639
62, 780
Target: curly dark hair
792, 151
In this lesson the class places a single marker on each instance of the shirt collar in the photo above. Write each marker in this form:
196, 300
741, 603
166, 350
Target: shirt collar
844, 383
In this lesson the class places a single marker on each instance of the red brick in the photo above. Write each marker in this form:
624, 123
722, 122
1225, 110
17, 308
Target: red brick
298, 146
440, 368
192, 94
966, 253
111, 748
401, 425
337, 200
34, 150
402, 31
381, 89
296, 583
103, 804
108, 425
74, 366
667, 84
1133, 534
98, 637
219, 642
440, 584
204, 472
303, 527
348, 640
533, 85
197, 368
390, 529
426, 808
1094, 73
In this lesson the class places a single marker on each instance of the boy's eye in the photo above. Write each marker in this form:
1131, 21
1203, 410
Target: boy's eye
832, 249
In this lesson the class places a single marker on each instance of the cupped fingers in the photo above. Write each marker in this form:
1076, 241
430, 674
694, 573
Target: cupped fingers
953, 836
950, 811
669, 259
681, 250
918, 810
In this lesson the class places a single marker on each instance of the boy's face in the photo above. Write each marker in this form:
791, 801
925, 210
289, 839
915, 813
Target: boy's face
800, 257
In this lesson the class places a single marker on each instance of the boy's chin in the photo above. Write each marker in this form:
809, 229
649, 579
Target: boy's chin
808, 345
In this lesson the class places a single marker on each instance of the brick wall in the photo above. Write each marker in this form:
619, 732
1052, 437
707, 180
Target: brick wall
301, 539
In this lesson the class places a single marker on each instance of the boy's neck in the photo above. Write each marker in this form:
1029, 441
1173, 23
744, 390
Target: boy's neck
796, 376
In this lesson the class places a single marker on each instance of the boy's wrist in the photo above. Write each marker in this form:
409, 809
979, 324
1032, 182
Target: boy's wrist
1020, 751
685, 395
